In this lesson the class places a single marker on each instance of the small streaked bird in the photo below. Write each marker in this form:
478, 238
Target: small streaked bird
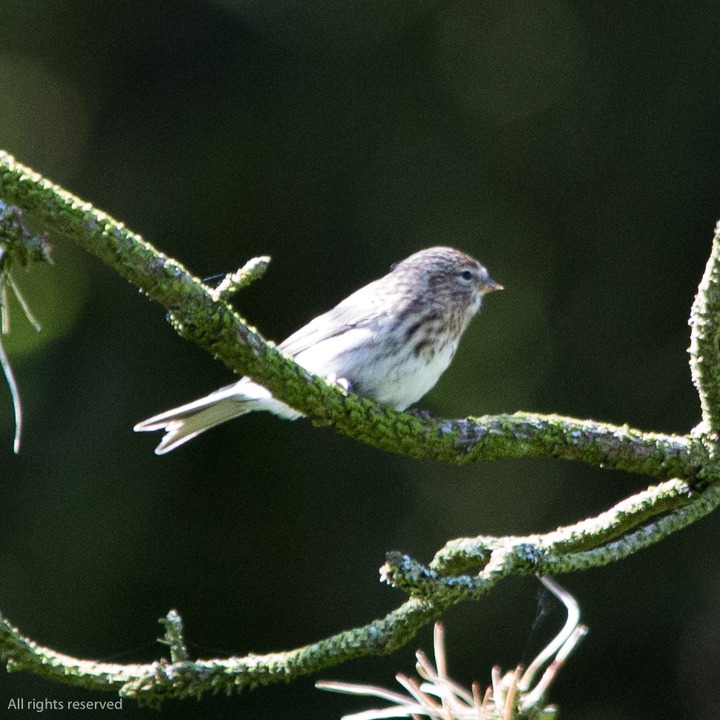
389, 341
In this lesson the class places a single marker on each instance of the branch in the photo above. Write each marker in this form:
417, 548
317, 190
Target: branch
203, 315
464, 569
672, 496
433, 589
632, 525
705, 340
162, 680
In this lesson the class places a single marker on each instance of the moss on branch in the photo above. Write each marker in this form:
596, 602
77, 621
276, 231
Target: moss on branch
705, 340
465, 568
203, 315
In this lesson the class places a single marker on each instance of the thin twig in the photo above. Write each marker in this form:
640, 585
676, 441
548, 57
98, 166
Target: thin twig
14, 395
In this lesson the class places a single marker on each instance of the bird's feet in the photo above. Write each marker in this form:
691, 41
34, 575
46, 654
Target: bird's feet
419, 413
344, 383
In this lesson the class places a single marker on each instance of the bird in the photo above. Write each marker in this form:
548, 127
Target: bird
389, 341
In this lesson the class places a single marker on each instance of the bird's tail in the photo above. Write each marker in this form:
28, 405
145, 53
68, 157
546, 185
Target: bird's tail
187, 421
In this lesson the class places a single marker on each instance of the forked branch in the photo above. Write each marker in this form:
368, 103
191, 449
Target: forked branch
465, 568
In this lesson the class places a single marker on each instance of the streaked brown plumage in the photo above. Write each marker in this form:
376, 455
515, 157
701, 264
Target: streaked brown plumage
390, 341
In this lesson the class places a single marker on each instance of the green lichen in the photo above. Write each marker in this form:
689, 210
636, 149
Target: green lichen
465, 568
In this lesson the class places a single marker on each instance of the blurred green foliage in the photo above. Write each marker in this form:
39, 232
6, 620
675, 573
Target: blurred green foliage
572, 147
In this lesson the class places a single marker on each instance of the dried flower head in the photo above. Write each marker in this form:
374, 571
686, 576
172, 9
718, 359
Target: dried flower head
512, 696
18, 246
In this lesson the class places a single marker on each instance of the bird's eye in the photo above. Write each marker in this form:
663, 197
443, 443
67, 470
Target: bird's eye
466, 274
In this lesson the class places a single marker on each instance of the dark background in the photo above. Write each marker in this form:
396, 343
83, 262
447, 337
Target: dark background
572, 147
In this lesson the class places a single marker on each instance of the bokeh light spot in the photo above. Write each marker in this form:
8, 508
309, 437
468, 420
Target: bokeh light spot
510, 60
43, 117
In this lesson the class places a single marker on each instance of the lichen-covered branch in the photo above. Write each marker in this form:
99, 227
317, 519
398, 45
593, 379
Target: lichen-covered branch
463, 554
521, 434
705, 340
163, 679
467, 568
630, 526
203, 315
644, 519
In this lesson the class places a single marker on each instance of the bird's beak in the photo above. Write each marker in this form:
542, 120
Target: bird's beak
488, 285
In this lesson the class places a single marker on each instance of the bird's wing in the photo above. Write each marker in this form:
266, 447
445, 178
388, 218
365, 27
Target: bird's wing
360, 309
